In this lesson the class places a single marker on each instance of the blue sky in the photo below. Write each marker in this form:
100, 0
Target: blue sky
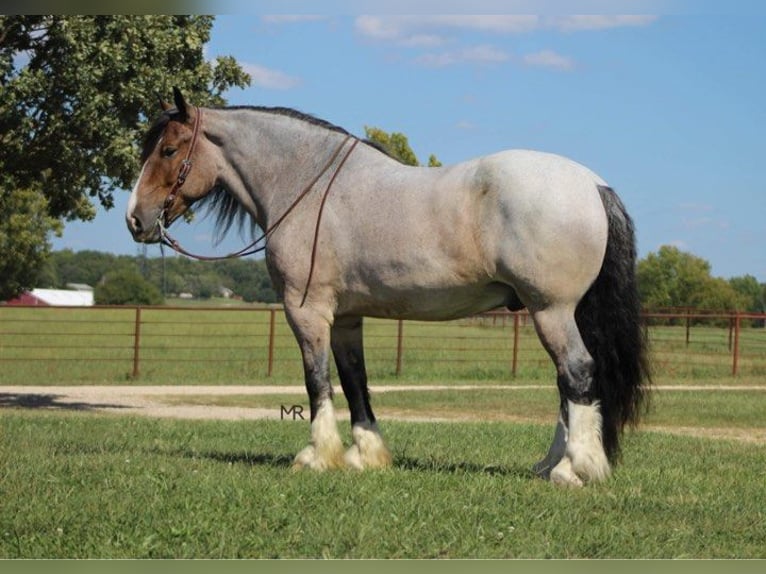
667, 106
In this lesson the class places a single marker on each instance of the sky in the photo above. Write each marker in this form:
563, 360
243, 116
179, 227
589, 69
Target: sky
667, 105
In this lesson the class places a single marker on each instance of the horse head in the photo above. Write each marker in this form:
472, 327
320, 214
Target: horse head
167, 185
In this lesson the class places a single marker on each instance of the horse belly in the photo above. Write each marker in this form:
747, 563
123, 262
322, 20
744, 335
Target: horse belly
424, 303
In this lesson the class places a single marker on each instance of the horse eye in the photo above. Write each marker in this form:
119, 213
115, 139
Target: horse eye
169, 151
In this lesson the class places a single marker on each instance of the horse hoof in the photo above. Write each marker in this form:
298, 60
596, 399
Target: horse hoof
357, 460
368, 451
563, 475
310, 458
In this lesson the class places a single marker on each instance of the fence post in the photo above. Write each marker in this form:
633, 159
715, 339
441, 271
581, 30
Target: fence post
272, 325
688, 325
399, 346
515, 364
137, 344
735, 359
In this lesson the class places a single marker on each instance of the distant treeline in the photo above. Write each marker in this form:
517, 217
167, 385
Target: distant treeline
172, 276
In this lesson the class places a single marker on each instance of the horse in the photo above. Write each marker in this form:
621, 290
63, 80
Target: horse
349, 232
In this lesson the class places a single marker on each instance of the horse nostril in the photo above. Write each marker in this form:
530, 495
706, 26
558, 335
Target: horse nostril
135, 225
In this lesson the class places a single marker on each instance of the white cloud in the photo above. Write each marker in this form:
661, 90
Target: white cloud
292, 18
483, 54
600, 22
549, 59
270, 79
401, 28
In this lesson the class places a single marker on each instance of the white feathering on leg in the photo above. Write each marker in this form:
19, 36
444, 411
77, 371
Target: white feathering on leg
326, 448
584, 448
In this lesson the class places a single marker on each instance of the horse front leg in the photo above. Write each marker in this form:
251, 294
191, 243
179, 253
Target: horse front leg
312, 330
368, 450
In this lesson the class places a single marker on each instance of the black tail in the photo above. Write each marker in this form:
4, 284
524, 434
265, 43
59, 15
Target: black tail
609, 320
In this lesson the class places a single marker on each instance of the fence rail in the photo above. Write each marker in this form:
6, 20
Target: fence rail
228, 344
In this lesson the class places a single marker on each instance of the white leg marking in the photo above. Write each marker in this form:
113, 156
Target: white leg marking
326, 448
368, 450
584, 448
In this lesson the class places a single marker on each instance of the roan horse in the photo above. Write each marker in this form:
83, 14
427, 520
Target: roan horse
350, 232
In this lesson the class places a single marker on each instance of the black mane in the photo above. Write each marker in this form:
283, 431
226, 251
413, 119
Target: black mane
292, 113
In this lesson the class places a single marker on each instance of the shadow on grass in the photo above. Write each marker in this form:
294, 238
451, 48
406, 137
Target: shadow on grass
43, 401
419, 465
400, 463
246, 458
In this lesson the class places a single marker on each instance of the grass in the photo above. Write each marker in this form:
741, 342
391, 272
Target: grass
96, 486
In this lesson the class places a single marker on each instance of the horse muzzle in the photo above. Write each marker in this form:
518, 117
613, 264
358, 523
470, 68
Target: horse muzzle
143, 229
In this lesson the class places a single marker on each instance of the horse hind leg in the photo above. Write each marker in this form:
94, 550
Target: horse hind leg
368, 450
582, 458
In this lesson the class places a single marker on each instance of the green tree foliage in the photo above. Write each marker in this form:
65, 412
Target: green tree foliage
24, 224
76, 93
126, 287
397, 145
433, 161
674, 278
752, 292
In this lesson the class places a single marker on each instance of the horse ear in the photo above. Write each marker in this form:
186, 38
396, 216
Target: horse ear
163, 104
178, 98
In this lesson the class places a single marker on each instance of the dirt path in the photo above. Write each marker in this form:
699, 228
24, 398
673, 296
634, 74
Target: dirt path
153, 401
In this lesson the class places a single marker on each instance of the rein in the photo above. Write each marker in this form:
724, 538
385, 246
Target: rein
252, 248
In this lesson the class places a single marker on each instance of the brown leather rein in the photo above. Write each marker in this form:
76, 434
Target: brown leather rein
252, 248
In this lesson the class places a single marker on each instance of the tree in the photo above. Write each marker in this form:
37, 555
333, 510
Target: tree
77, 93
126, 287
24, 225
673, 278
397, 145
751, 291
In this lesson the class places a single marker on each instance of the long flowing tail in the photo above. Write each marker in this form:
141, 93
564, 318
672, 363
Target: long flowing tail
608, 317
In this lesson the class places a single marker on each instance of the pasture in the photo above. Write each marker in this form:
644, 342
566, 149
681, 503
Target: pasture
82, 484
77, 482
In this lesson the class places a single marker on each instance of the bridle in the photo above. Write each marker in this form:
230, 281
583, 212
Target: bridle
253, 247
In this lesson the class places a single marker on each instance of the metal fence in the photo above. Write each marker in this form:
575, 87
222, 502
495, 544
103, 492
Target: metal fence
246, 344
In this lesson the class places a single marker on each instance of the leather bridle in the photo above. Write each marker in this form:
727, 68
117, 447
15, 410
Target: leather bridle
253, 247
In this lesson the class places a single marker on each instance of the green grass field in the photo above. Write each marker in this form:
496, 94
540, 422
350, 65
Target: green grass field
100, 486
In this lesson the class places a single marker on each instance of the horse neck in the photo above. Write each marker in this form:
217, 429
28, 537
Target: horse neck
269, 158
